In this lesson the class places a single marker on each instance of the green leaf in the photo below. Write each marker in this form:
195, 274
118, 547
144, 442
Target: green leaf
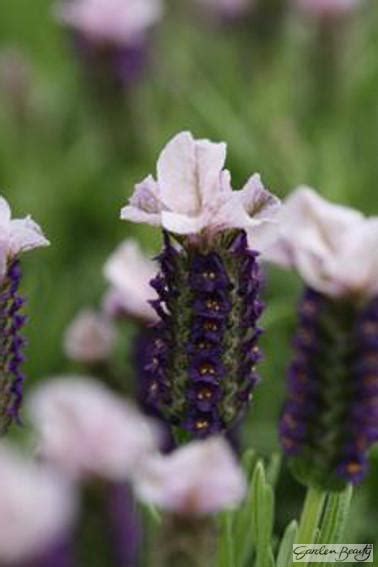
243, 518
274, 468
226, 552
153, 514
335, 516
248, 462
262, 516
253, 522
285, 551
311, 514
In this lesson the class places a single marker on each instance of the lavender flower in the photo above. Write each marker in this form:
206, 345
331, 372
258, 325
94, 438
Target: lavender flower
16, 236
37, 509
129, 271
201, 366
330, 419
90, 338
86, 430
101, 440
112, 33
198, 479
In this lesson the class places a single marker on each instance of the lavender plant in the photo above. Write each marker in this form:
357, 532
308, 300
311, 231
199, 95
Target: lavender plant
330, 420
201, 364
16, 236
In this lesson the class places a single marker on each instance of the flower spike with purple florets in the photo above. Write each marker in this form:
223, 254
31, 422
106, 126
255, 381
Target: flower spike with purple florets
202, 357
16, 236
330, 419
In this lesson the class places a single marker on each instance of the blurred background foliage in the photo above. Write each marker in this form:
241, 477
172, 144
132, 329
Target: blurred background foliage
71, 158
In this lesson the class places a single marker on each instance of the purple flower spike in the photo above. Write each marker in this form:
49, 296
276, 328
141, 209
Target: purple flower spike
330, 419
200, 363
11, 347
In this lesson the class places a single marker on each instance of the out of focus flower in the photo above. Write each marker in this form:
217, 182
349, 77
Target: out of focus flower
228, 9
129, 272
84, 429
332, 247
327, 8
16, 236
193, 193
208, 286
117, 21
114, 32
36, 508
90, 338
201, 478
330, 419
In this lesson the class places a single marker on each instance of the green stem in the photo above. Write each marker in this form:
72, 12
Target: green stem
311, 515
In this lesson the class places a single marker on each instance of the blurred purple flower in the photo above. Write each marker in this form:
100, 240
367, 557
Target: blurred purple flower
330, 419
114, 33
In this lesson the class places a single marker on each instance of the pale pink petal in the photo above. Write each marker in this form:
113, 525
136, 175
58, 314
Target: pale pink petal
200, 478
194, 192
177, 175
210, 160
144, 205
118, 21
182, 224
311, 224
325, 243
263, 236
90, 338
37, 507
129, 271
5, 213
356, 268
324, 222
248, 209
24, 235
86, 430
258, 203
